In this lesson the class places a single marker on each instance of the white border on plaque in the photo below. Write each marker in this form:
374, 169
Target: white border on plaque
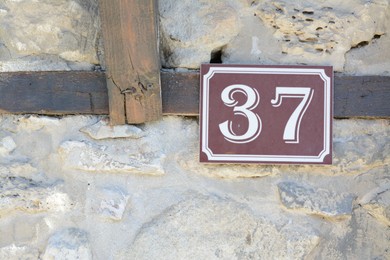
266, 158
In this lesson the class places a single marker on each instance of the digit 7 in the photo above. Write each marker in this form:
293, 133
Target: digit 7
291, 131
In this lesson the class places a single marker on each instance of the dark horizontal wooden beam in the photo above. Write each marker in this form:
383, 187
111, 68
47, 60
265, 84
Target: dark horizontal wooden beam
62, 93
53, 93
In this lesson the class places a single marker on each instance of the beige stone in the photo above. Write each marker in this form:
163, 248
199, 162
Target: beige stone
19, 193
63, 34
71, 243
316, 201
14, 252
131, 210
373, 58
192, 30
102, 130
90, 157
352, 36
109, 203
7, 145
213, 228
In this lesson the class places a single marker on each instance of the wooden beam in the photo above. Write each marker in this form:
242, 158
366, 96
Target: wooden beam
132, 59
361, 96
62, 93
180, 93
53, 93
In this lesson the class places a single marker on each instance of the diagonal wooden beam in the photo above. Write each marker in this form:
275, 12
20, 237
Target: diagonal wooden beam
75, 92
133, 66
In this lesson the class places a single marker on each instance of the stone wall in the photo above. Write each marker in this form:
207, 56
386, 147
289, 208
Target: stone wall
49, 35
353, 35
75, 188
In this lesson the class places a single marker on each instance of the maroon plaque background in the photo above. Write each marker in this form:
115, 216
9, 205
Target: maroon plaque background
314, 127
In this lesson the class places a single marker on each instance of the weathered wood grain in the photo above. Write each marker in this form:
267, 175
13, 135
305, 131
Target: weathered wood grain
53, 93
180, 93
362, 96
131, 53
61, 93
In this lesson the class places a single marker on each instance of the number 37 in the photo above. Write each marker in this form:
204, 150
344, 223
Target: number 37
291, 130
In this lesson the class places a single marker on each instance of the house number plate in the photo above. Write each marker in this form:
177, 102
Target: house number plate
266, 114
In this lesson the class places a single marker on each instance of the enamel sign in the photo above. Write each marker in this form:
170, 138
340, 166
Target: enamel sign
266, 114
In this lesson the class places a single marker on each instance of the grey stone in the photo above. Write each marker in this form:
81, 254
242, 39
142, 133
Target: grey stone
373, 58
264, 32
26, 194
9, 239
43, 62
238, 217
71, 243
377, 202
25, 231
203, 227
192, 30
368, 238
86, 156
360, 145
109, 203
361, 237
24, 170
315, 200
102, 130
13, 252
66, 29
32, 123
7, 145
313, 32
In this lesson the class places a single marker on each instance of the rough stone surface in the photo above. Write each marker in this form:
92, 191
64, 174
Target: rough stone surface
377, 202
71, 243
367, 229
314, 200
373, 58
102, 130
25, 194
110, 203
60, 35
217, 228
357, 242
214, 207
192, 30
352, 36
14, 252
323, 32
59, 198
91, 157
7, 145
19, 169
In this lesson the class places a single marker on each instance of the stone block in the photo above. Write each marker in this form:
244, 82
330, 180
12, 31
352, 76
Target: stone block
87, 156
102, 130
27, 194
377, 202
192, 30
7, 233
315, 200
24, 231
7, 145
62, 33
71, 243
14, 252
108, 203
202, 227
351, 36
